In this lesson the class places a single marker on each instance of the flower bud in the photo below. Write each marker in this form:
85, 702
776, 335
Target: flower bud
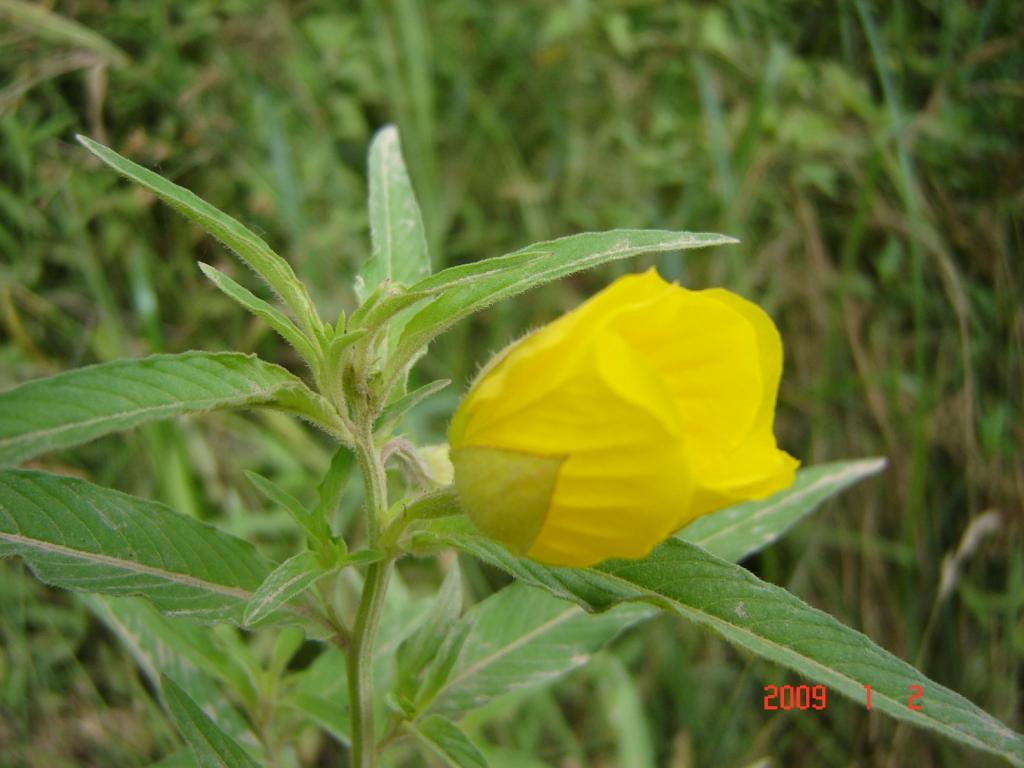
602, 433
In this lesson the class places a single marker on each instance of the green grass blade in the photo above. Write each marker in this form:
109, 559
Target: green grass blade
445, 739
399, 244
557, 259
183, 758
273, 317
759, 617
741, 530
246, 244
80, 405
623, 705
79, 536
46, 24
213, 748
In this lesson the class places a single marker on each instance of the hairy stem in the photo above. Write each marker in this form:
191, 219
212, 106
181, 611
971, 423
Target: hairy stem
371, 604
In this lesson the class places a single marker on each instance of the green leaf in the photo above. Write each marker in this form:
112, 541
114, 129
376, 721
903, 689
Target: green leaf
399, 244
332, 485
339, 344
314, 408
213, 747
289, 580
475, 271
314, 524
393, 301
79, 536
249, 247
445, 739
554, 259
175, 647
741, 530
521, 638
392, 414
419, 649
271, 315
330, 714
80, 405
762, 618
360, 557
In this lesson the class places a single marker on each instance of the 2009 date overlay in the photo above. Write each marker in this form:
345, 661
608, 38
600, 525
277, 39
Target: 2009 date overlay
789, 697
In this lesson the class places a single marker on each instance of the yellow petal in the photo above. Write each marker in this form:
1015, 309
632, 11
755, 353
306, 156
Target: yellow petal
655, 403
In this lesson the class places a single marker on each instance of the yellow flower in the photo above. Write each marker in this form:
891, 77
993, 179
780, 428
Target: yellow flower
601, 434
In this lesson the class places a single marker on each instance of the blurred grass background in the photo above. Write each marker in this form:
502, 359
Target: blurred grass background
868, 155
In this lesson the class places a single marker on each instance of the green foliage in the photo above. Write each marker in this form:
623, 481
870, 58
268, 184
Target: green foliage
444, 739
460, 296
79, 536
248, 246
759, 617
178, 649
861, 155
99, 540
81, 405
274, 317
213, 747
285, 583
743, 529
517, 639
399, 243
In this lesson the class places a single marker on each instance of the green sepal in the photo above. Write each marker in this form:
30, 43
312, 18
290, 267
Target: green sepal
506, 493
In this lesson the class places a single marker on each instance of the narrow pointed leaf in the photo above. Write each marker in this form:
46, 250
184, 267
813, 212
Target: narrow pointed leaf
79, 536
759, 617
265, 311
314, 408
247, 245
744, 529
213, 748
437, 674
557, 259
399, 243
360, 557
523, 637
392, 414
396, 302
446, 740
80, 405
176, 647
314, 524
287, 581
332, 486
475, 271
340, 343
419, 649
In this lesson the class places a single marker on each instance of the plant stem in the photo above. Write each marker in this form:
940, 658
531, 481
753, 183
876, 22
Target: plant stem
360, 664
360, 656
